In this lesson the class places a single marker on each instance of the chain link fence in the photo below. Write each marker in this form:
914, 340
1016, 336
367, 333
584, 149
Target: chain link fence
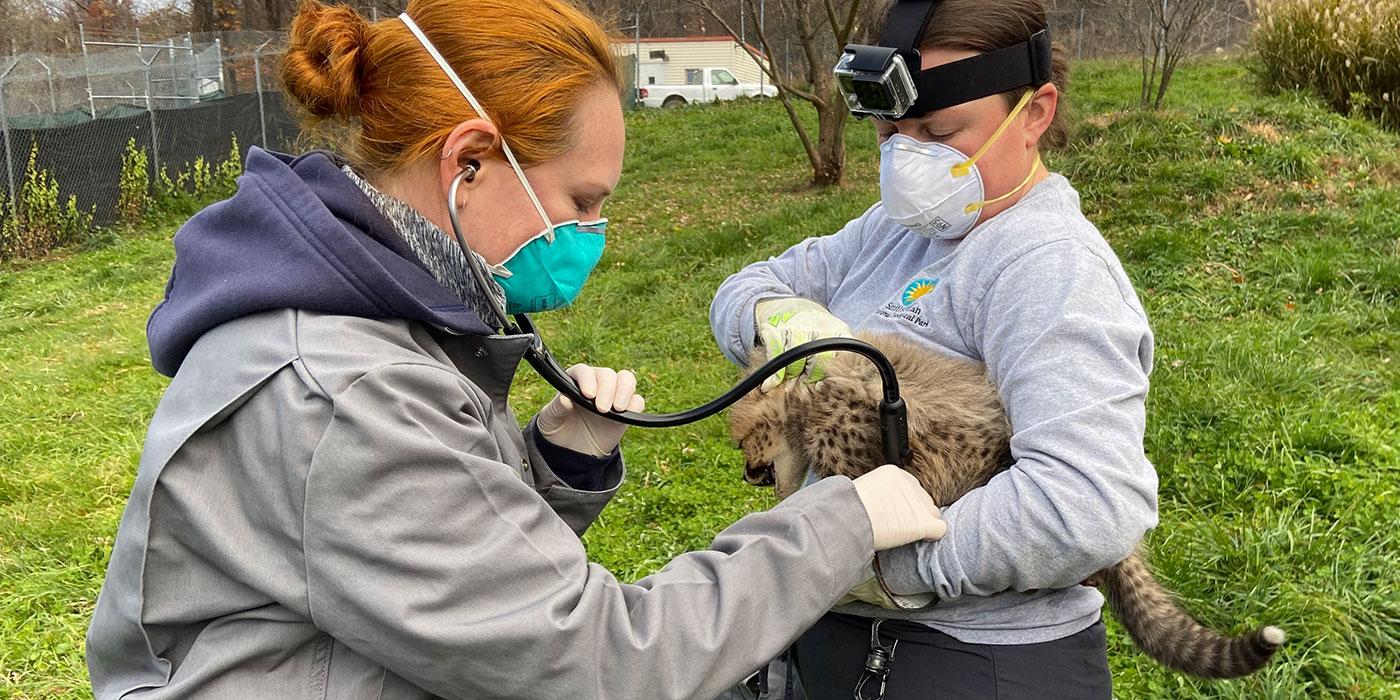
178, 99
192, 96
1108, 31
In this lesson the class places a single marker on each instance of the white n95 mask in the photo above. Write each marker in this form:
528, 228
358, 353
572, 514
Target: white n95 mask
934, 189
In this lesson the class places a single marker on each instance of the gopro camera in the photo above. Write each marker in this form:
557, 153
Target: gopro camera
889, 82
875, 82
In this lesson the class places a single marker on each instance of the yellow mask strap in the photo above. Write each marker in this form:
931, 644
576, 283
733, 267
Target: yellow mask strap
978, 206
963, 168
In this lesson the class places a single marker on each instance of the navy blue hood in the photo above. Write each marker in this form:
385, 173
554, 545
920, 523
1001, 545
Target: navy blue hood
298, 234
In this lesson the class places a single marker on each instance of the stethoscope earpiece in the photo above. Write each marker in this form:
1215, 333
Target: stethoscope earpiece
468, 174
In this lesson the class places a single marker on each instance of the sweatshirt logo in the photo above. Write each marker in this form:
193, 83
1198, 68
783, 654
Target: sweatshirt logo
918, 289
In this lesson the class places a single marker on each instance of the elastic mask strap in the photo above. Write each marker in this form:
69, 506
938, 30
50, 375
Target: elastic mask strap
461, 87
965, 167
978, 206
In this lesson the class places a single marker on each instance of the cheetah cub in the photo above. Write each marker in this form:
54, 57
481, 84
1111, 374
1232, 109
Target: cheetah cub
960, 438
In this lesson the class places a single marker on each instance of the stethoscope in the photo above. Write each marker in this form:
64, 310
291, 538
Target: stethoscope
894, 424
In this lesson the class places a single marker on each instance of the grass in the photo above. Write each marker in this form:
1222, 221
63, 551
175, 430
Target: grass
1263, 234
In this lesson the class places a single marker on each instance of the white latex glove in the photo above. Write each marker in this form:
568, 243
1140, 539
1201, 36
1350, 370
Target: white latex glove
900, 510
785, 323
568, 426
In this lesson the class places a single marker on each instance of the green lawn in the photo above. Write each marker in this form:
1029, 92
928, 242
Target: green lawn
1263, 235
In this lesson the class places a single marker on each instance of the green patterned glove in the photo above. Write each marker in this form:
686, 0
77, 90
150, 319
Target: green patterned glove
788, 322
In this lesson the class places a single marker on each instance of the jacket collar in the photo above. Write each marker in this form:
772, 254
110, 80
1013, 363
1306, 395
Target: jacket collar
490, 361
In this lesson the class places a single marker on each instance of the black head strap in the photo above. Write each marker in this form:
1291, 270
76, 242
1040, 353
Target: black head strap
905, 26
1026, 64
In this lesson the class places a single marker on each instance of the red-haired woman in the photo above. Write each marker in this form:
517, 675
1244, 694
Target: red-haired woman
335, 501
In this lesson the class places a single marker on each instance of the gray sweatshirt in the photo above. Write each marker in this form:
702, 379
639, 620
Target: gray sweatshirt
1036, 294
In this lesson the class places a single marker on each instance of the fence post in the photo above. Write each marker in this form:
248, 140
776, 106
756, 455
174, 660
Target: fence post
193, 71
87, 72
150, 110
174, 84
1079, 40
637, 64
219, 58
53, 104
763, 38
257, 83
5, 126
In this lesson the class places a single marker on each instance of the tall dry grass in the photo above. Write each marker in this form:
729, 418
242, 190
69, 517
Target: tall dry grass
1347, 51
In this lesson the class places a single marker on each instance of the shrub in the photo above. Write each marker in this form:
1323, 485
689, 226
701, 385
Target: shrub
201, 178
36, 222
1344, 50
226, 173
134, 197
172, 195
189, 190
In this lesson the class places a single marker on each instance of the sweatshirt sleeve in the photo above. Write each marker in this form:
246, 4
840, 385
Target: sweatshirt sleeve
812, 269
1070, 357
430, 556
575, 469
577, 486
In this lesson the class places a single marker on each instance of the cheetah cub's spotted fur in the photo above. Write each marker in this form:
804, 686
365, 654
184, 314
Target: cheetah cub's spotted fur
960, 438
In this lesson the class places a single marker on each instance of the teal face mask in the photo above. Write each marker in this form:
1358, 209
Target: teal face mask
549, 270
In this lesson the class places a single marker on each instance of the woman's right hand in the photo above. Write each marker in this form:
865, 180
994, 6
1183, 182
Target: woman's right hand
578, 429
900, 510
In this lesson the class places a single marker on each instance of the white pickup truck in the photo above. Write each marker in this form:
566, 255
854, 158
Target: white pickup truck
702, 85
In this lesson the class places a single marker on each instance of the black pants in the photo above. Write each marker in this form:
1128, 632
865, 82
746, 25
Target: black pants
830, 659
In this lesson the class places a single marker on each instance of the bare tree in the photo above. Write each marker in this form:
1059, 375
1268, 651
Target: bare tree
202, 18
1166, 31
821, 40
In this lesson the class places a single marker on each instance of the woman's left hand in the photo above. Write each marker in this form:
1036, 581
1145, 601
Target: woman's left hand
568, 426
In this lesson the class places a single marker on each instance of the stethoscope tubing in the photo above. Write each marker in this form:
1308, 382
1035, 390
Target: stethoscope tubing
893, 422
554, 374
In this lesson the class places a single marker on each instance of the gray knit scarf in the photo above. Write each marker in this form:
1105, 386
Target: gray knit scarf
438, 251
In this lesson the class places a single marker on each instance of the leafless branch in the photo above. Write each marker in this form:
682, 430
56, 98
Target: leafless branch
763, 63
852, 17
830, 10
827, 152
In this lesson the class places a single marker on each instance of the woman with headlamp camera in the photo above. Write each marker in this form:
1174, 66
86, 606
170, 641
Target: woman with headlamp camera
978, 251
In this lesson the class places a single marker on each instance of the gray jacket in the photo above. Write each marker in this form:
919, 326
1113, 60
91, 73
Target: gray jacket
342, 505
335, 507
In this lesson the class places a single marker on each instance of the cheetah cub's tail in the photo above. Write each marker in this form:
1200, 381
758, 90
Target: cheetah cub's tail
1170, 635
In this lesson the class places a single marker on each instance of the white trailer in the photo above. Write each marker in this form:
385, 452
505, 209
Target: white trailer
690, 70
